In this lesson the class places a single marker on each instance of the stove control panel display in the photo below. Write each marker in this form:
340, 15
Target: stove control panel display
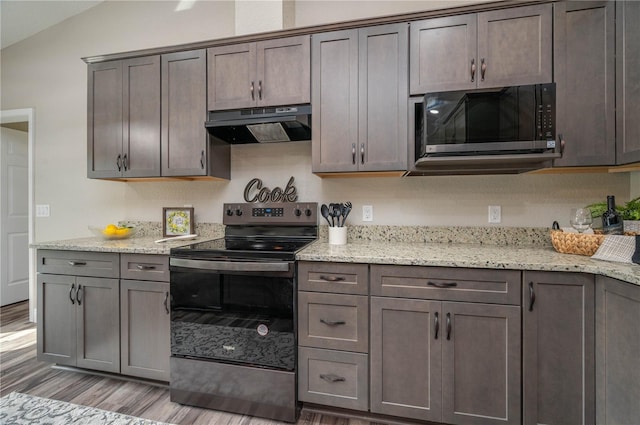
274, 213
268, 212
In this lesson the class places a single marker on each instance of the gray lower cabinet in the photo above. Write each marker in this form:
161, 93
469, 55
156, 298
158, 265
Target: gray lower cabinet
145, 316
558, 348
359, 89
333, 334
78, 323
617, 352
584, 56
439, 350
627, 81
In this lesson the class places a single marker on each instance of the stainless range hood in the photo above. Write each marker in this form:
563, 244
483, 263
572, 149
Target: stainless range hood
261, 125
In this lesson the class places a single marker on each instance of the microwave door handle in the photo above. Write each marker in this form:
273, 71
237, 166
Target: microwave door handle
226, 266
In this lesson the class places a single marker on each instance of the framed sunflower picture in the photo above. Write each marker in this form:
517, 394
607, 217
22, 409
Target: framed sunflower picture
177, 221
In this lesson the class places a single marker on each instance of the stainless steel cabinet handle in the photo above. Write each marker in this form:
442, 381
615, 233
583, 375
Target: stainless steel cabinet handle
77, 263
473, 70
483, 69
145, 267
119, 162
332, 278
202, 160
353, 153
125, 162
260, 89
437, 325
333, 323
73, 286
332, 378
362, 153
448, 326
532, 296
443, 285
78, 293
166, 304
252, 89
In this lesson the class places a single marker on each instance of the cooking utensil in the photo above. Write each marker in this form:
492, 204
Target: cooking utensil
346, 209
324, 210
337, 211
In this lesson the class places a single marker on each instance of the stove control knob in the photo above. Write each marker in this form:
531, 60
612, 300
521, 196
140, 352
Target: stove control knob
297, 212
238, 212
229, 212
307, 212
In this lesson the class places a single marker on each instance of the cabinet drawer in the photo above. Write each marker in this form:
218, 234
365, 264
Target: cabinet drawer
342, 278
333, 378
443, 283
144, 267
334, 321
79, 263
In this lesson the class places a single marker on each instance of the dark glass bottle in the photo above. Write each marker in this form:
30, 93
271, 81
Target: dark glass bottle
611, 220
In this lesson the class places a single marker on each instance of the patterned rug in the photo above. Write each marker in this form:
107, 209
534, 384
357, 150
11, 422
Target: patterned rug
24, 409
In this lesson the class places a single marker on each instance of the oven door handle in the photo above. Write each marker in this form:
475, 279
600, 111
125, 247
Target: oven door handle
226, 266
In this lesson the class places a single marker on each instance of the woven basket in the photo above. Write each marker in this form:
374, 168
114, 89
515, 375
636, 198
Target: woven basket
576, 243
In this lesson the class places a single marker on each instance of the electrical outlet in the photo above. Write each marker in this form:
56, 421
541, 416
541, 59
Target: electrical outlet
42, 210
495, 214
367, 213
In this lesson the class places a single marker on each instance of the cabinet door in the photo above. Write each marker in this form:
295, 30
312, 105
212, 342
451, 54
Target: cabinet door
443, 54
617, 352
232, 76
334, 62
283, 71
481, 364
515, 46
558, 354
141, 117
628, 81
584, 57
104, 120
406, 342
144, 322
383, 95
56, 319
98, 324
184, 111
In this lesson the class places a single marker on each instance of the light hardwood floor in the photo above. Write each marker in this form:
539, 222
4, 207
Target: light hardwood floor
20, 371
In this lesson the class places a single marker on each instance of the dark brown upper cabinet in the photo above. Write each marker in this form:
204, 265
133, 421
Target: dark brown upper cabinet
264, 73
628, 81
487, 49
359, 92
584, 61
124, 118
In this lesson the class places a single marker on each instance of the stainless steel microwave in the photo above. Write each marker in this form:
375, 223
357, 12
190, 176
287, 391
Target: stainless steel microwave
516, 120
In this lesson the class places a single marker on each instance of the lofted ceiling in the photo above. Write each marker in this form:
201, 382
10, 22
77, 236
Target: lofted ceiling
20, 19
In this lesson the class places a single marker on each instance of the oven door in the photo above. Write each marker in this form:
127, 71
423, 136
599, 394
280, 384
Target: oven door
222, 313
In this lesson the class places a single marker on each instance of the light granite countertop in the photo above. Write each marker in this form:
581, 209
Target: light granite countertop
482, 247
467, 255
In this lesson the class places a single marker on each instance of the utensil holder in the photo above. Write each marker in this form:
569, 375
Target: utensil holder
337, 235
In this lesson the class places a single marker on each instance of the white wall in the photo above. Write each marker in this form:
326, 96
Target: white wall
45, 72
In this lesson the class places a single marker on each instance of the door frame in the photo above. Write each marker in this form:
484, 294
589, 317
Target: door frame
28, 115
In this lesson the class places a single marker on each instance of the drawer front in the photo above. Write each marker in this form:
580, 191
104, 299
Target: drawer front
341, 278
445, 283
79, 263
333, 321
144, 267
333, 378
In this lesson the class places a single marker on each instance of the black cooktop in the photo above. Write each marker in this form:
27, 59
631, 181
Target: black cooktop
243, 248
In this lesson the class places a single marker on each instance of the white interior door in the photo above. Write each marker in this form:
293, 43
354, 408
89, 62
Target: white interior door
14, 216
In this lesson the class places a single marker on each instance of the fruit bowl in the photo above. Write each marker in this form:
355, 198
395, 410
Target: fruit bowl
111, 231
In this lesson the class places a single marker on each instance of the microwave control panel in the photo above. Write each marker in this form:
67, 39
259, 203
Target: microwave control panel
546, 112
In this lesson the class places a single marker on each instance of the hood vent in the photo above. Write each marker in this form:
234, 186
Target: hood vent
261, 125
